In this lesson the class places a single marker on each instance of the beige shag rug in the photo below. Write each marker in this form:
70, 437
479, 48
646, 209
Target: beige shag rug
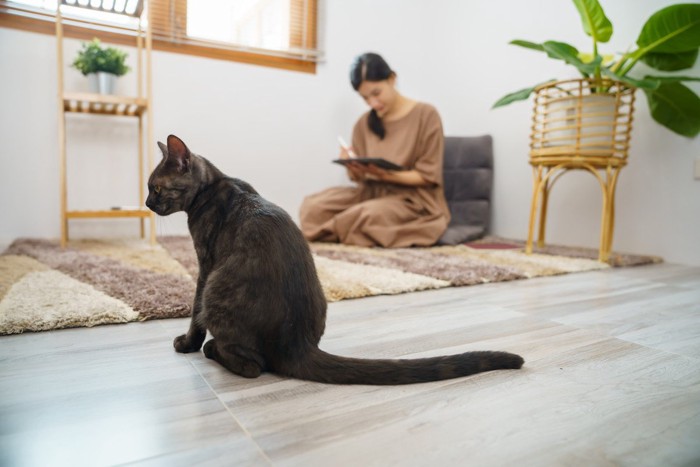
91, 282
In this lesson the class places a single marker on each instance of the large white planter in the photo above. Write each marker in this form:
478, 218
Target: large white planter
102, 82
585, 122
582, 118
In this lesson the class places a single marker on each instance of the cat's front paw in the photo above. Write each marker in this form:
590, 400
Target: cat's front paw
184, 345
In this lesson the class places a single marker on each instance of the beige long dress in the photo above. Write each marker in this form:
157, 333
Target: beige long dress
377, 213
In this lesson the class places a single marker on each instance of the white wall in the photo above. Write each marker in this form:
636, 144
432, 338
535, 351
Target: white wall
277, 129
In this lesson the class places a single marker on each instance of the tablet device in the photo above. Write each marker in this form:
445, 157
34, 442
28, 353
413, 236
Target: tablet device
378, 161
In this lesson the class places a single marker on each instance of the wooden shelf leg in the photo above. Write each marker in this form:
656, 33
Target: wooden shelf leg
62, 174
141, 178
63, 195
150, 140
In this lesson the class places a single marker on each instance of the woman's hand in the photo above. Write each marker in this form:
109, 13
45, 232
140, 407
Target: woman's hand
346, 153
360, 172
373, 172
357, 171
398, 177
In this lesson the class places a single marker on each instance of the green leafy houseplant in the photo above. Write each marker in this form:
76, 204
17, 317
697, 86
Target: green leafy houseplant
669, 42
93, 57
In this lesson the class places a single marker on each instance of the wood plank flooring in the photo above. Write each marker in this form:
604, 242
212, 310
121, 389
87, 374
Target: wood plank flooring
612, 377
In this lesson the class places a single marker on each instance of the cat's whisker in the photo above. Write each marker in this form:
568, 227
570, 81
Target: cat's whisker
163, 226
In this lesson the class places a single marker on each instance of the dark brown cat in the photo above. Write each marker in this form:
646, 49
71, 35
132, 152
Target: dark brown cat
258, 293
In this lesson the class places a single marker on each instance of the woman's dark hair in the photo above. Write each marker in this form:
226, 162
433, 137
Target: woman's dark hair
371, 67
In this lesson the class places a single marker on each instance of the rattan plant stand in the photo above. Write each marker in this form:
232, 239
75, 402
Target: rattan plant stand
580, 124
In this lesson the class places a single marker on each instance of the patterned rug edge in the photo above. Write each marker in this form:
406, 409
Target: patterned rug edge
94, 282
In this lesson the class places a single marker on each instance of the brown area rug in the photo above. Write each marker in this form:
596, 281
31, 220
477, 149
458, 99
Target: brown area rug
44, 287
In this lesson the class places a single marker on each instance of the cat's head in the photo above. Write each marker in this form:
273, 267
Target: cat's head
172, 185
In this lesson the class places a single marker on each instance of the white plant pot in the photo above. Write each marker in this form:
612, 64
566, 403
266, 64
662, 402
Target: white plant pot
588, 124
102, 82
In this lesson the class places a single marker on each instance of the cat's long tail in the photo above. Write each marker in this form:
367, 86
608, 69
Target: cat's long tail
327, 368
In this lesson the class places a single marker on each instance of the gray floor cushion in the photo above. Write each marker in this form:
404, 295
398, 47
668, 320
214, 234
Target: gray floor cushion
468, 173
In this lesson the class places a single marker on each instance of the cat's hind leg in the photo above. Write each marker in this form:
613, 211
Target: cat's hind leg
240, 360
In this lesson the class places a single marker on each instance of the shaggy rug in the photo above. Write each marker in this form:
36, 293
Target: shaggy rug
91, 282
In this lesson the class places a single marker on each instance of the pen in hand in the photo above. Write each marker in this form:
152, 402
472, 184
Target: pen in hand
346, 148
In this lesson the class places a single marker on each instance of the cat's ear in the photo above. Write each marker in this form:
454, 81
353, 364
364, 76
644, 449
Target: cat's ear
163, 149
179, 153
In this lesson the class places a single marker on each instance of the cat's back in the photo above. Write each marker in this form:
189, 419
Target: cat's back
261, 261
266, 246
255, 221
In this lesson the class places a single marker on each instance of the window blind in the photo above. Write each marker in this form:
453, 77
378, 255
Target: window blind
285, 28
279, 33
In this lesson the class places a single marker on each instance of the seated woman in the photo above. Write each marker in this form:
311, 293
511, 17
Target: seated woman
386, 208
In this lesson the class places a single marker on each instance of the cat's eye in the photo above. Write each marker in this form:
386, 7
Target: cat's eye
156, 188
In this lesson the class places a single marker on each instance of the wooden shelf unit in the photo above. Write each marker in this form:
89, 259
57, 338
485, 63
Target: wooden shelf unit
139, 107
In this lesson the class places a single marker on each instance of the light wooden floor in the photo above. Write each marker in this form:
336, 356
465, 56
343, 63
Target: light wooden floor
612, 378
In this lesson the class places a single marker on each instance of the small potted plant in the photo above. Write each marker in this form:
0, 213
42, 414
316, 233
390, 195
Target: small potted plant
668, 42
102, 65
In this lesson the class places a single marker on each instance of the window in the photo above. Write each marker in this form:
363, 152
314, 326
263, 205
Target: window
276, 33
